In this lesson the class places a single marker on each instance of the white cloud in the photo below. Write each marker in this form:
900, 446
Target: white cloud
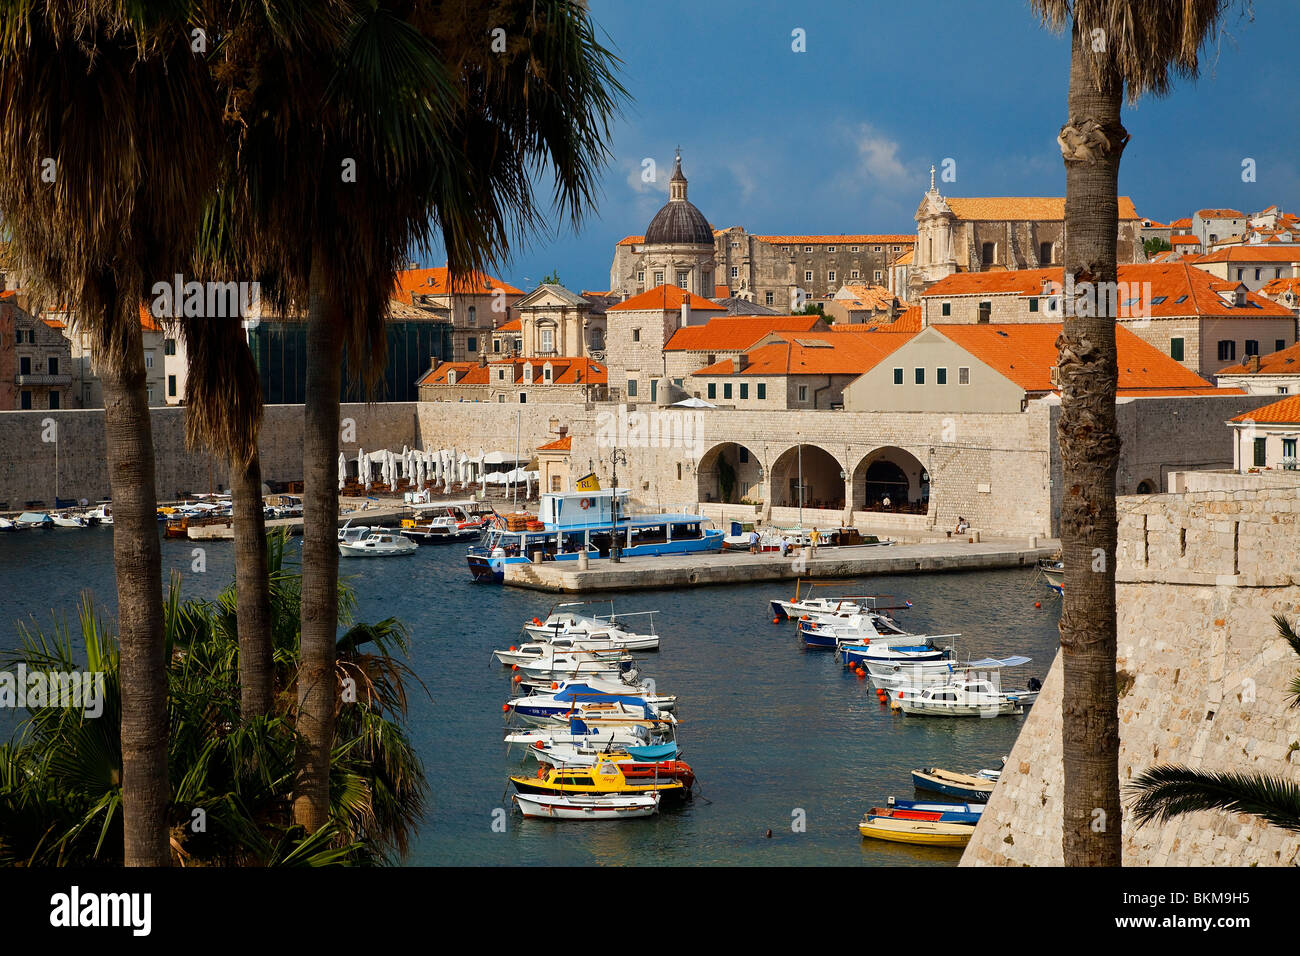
879, 155
638, 171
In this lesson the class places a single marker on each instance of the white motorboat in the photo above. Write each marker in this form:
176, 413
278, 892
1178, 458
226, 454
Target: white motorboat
558, 666
577, 697
580, 806
68, 519
449, 521
581, 650
978, 698
33, 519
901, 675
612, 627
578, 733
841, 606
101, 514
377, 543
7, 525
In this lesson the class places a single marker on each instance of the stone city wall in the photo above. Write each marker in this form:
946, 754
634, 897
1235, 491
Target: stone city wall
1203, 679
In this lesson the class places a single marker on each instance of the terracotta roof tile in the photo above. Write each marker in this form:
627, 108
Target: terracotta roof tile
1285, 362
560, 444
665, 298
434, 282
812, 353
564, 371
1220, 214
514, 325
1246, 253
1019, 208
1027, 353
844, 240
1283, 412
736, 333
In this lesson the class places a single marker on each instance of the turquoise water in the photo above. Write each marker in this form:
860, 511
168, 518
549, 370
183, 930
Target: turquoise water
776, 734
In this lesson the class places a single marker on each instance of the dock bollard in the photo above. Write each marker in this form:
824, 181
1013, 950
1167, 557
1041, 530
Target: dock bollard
584, 562
537, 557
1033, 542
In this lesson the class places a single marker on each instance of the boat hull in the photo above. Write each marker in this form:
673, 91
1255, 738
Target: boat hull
669, 791
950, 784
577, 808
919, 832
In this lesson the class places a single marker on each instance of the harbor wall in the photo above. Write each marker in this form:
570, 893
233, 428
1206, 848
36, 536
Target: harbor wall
1203, 681
32, 442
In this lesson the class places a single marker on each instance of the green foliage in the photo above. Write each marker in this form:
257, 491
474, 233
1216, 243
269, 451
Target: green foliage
553, 278
1156, 244
810, 308
60, 779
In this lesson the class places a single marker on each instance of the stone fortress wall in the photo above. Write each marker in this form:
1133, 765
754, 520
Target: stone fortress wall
1203, 680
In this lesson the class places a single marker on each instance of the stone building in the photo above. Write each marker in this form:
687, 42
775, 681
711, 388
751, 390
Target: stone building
36, 367
554, 321
1277, 373
681, 248
1265, 438
1183, 311
87, 390
695, 346
1212, 226
473, 306
962, 235
1254, 266
637, 331
517, 380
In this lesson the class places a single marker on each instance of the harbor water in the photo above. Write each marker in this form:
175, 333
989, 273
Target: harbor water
780, 738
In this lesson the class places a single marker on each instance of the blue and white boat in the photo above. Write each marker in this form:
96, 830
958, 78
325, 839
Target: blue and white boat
951, 812
573, 695
975, 788
856, 654
584, 522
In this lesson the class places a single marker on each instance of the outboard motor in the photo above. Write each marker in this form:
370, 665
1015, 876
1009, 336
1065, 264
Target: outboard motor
1035, 684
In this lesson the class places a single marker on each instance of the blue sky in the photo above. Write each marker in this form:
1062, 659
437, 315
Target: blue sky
840, 138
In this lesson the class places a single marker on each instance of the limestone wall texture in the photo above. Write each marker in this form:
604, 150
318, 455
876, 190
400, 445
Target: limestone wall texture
1203, 677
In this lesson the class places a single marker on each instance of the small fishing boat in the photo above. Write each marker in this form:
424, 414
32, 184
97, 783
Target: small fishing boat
603, 779
7, 525
67, 519
34, 519
579, 806
618, 686
883, 651
1053, 574
895, 675
101, 513
537, 709
927, 829
579, 734
591, 633
560, 666
837, 606
456, 522
580, 650
962, 698
973, 787
948, 811
377, 543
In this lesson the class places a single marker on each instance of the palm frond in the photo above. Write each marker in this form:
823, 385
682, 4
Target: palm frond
1169, 791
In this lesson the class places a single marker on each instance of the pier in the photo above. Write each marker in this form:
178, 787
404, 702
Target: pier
681, 571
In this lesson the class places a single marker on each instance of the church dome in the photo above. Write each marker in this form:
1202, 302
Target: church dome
679, 221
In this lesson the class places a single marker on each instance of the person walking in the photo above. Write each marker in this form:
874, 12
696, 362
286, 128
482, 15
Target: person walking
815, 539
753, 541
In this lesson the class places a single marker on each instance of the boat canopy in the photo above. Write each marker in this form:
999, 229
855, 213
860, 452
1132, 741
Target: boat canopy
655, 753
1013, 661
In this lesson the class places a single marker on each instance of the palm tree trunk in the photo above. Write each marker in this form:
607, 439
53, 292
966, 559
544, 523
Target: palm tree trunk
137, 564
320, 554
252, 598
1089, 442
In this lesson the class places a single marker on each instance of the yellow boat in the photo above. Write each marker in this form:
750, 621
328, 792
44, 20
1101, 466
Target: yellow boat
604, 778
883, 824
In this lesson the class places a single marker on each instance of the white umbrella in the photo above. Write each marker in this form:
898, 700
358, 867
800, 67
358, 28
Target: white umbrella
693, 403
343, 470
363, 468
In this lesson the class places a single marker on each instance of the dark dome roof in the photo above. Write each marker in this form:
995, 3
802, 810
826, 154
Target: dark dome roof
679, 222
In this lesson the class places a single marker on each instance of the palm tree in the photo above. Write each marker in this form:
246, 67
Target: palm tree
1168, 791
97, 199
417, 127
1117, 47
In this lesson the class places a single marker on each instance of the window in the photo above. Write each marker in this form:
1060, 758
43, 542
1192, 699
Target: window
830, 248
1033, 305
1279, 345
148, 360
1176, 349
1045, 253
148, 392
853, 248
743, 455
1227, 350
1239, 272
546, 373
471, 344
523, 398
963, 376
830, 276
1256, 273
1288, 451
946, 309
762, 391
659, 278
807, 276
919, 375
54, 399
1261, 452
501, 399
744, 390
898, 376
640, 277
713, 390
854, 274
767, 298
987, 251
631, 388
636, 335
471, 316
878, 275
803, 393
654, 389
682, 278
169, 346
875, 248
25, 365
726, 390
496, 346
1252, 347
25, 400
807, 248
171, 386
898, 248
735, 273
501, 375
555, 482
941, 376
986, 311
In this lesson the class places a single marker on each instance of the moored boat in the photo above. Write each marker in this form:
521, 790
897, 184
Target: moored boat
604, 778
377, 543
576, 806
969, 786
928, 829
962, 698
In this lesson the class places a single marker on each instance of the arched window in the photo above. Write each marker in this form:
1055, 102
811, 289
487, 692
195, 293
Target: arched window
472, 316
1045, 253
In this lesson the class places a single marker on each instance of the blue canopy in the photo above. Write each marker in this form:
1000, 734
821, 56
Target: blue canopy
654, 753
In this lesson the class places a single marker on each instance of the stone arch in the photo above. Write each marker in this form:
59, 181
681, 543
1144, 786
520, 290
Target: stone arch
730, 472
1145, 487
823, 484
895, 474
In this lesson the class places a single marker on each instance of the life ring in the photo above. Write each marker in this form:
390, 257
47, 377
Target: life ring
586, 503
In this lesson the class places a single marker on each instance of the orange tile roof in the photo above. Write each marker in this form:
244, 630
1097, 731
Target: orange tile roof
52, 323
1278, 286
736, 333
514, 325
906, 258
1285, 362
721, 292
147, 320
1283, 412
665, 298
1016, 208
908, 321
1184, 241
812, 353
1220, 214
434, 282
1278, 253
872, 296
560, 444
1172, 281
890, 239
564, 371
1026, 353
1181, 224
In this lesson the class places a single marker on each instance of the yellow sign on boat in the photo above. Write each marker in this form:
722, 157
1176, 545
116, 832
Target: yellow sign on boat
587, 483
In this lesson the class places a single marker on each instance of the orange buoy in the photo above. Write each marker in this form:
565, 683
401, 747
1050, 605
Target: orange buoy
861, 674
535, 621
1038, 604
554, 686
776, 620
517, 678
513, 648
539, 745
514, 667
505, 708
